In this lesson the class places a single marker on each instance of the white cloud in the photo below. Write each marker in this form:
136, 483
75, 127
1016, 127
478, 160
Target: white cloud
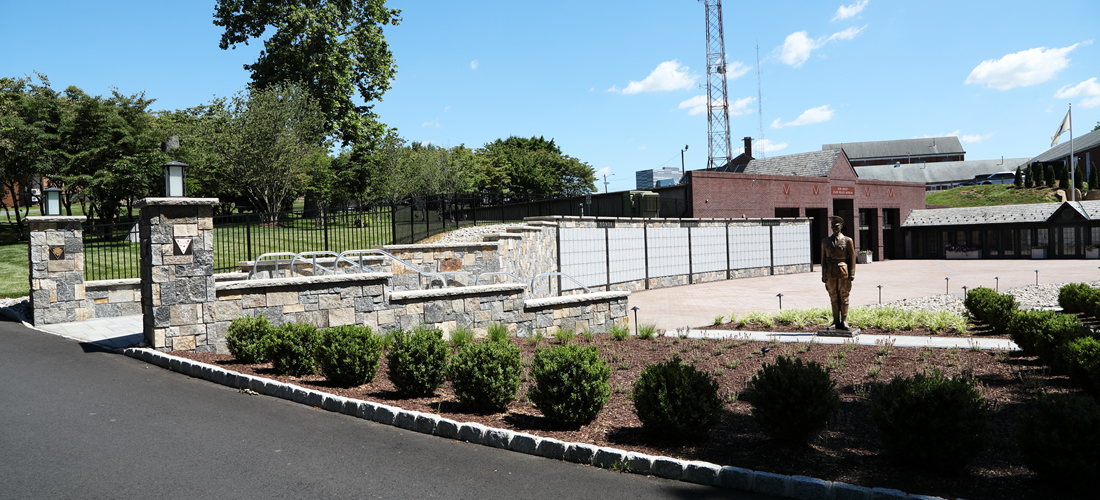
975, 138
604, 171
736, 70
474, 64
808, 117
669, 75
741, 106
429, 124
797, 46
1024, 68
1088, 89
426, 143
767, 146
696, 105
847, 11
641, 148
614, 88
446, 109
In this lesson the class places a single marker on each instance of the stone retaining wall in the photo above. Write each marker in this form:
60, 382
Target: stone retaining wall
113, 298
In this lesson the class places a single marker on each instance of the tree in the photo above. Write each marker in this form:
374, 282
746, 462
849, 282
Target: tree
536, 166
1094, 176
1019, 181
1097, 127
332, 47
1048, 175
29, 120
1063, 180
1029, 179
264, 142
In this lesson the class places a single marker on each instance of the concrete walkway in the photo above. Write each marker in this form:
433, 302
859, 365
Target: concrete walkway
111, 333
697, 305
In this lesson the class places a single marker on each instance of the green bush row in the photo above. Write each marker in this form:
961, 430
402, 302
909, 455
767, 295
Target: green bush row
990, 307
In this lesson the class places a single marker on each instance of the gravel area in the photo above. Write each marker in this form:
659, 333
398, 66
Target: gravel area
472, 233
1029, 297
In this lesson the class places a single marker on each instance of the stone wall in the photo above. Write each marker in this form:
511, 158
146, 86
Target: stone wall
470, 258
113, 298
56, 255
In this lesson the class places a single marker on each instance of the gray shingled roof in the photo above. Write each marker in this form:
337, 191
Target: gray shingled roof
813, 164
1061, 151
931, 146
939, 172
997, 214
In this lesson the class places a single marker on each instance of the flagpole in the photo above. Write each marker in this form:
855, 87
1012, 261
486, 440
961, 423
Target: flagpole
1072, 171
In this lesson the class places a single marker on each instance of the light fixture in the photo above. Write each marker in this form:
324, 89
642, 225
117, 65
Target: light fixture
175, 179
53, 201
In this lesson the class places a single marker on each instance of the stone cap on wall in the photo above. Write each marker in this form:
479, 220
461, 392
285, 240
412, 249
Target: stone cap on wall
440, 246
133, 282
301, 280
455, 291
55, 218
574, 299
175, 202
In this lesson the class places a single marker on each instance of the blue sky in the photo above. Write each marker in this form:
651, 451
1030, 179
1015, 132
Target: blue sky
617, 83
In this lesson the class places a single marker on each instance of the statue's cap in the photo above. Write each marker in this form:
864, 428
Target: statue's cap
836, 218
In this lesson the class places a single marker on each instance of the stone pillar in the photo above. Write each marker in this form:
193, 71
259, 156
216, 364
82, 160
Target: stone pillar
56, 251
177, 272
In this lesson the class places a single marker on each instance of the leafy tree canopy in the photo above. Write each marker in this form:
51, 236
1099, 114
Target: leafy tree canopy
534, 166
333, 47
30, 117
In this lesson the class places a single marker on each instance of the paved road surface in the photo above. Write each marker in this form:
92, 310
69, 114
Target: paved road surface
77, 422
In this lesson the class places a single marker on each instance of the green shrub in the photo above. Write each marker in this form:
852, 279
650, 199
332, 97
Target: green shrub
930, 421
1060, 439
618, 332
349, 354
571, 384
647, 331
1082, 359
417, 361
1075, 297
1024, 328
247, 339
498, 332
676, 399
990, 307
791, 401
486, 375
292, 348
1054, 333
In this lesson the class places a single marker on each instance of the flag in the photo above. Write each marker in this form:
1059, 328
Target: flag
1063, 128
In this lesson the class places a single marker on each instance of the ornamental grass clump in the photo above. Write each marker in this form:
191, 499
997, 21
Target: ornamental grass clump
930, 421
1060, 440
498, 332
349, 354
792, 401
571, 384
486, 375
417, 361
677, 400
247, 338
292, 349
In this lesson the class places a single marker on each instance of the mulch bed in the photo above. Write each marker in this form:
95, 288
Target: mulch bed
848, 451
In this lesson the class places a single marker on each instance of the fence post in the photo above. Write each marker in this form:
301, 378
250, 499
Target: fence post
324, 226
393, 223
248, 236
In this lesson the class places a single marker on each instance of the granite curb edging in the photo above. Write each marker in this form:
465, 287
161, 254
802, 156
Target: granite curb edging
698, 472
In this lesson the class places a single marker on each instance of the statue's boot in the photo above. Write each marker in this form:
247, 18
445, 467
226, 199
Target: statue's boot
837, 321
843, 325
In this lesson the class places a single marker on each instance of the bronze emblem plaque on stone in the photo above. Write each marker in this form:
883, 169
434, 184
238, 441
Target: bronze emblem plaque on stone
57, 253
182, 246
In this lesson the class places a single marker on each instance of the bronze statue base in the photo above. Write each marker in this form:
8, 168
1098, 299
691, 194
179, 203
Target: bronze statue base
832, 331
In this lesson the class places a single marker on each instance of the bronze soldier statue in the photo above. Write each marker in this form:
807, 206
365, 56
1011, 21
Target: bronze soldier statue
838, 269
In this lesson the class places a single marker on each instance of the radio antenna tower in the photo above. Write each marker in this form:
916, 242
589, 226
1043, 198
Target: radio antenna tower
718, 114
759, 99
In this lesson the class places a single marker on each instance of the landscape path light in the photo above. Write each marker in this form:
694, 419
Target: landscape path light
948, 289
53, 201
1036, 277
780, 301
175, 179
635, 309
964, 292
880, 294
998, 278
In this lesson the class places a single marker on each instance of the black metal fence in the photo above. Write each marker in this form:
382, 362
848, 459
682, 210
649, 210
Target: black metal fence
111, 251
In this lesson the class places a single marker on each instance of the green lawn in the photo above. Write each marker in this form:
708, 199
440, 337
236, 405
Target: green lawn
994, 194
14, 270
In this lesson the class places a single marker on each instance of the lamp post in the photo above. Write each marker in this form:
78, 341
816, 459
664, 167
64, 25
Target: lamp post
605, 183
175, 179
683, 171
53, 201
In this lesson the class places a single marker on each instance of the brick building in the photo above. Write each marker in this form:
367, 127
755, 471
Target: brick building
818, 184
903, 151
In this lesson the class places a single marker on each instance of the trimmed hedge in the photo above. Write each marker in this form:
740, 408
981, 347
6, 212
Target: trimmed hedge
931, 421
992, 308
417, 361
1076, 297
292, 349
485, 375
791, 401
676, 399
1082, 360
247, 339
1060, 440
571, 384
349, 354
